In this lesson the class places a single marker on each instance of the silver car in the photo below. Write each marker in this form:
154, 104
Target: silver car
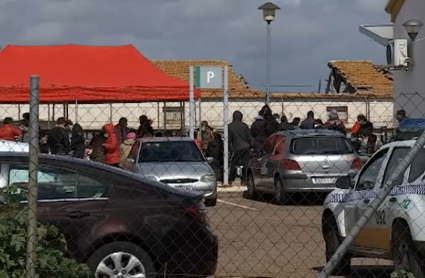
301, 161
176, 161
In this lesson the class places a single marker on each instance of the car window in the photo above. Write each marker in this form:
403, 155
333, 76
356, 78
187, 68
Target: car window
54, 183
321, 145
170, 151
417, 168
397, 156
369, 175
135, 150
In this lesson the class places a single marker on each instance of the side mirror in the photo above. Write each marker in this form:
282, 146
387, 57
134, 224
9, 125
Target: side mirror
210, 159
343, 183
130, 160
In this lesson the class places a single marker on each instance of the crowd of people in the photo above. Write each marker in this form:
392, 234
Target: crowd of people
111, 145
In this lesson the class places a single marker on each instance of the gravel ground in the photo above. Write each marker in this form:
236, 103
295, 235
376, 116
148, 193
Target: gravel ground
260, 239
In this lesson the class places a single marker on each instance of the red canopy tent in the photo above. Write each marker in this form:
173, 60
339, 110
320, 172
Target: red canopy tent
86, 74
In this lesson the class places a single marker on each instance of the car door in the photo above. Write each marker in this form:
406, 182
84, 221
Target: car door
261, 174
133, 157
273, 161
363, 194
384, 216
71, 201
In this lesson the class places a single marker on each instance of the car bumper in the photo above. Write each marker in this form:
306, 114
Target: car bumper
197, 258
209, 189
300, 182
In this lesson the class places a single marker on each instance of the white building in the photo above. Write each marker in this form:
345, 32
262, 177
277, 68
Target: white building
409, 83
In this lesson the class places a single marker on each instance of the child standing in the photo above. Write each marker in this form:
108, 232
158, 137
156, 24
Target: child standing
126, 146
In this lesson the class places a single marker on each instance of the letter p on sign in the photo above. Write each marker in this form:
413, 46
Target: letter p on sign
209, 77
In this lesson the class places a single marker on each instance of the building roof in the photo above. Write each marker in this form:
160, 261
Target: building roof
362, 78
393, 7
237, 87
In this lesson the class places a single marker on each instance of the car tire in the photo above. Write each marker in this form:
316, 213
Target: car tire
251, 192
406, 256
280, 194
211, 202
125, 249
332, 242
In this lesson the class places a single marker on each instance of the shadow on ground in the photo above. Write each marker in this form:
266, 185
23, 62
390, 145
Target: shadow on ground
298, 199
366, 271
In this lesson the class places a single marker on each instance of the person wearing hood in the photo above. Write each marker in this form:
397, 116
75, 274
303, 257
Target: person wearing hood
263, 127
334, 123
126, 146
111, 147
365, 127
145, 128
309, 122
240, 143
77, 141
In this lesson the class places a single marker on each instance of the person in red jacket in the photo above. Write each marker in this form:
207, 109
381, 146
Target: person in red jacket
8, 132
111, 146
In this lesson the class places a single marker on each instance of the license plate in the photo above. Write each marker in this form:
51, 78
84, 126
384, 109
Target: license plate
324, 180
184, 187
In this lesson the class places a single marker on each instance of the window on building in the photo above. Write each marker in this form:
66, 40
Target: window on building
173, 115
342, 112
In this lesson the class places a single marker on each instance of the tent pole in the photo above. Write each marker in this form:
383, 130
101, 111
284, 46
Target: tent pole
53, 112
183, 117
19, 112
200, 114
157, 115
48, 115
76, 111
165, 116
110, 112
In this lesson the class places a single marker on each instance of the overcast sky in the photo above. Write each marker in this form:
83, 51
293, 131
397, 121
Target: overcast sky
305, 35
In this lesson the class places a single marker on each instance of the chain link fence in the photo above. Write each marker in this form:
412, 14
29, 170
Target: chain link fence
116, 184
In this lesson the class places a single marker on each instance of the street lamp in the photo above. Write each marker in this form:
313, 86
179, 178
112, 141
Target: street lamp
269, 11
412, 28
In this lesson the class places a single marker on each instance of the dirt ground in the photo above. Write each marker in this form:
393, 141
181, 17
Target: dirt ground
260, 239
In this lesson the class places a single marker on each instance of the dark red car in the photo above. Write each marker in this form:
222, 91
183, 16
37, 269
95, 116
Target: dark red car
119, 223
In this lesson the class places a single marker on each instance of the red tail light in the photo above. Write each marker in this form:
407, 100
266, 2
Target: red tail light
357, 164
289, 164
199, 212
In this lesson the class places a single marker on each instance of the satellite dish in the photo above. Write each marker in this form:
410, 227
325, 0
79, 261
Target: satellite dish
390, 53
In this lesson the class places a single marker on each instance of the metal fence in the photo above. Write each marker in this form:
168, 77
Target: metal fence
279, 216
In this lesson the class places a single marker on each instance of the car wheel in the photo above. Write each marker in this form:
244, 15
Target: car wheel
251, 193
406, 257
121, 259
332, 242
211, 202
280, 194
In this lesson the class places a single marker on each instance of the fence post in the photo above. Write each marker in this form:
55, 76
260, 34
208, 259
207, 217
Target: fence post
191, 104
226, 126
33, 171
383, 193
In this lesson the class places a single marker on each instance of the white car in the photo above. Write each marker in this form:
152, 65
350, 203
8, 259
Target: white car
10, 146
397, 229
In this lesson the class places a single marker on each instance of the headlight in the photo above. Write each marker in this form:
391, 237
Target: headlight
152, 178
208, 178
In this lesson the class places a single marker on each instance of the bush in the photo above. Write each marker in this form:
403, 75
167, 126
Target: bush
52, 259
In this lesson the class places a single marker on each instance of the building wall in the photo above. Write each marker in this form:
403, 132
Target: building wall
409, 86
94, 116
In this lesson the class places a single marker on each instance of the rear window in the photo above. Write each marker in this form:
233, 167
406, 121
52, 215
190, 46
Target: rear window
321, 145
173, 151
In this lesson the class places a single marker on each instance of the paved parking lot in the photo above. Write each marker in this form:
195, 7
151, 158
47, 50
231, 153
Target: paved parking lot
260, 239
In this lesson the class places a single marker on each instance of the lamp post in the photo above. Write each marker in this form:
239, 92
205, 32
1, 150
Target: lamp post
269, 11
412, 28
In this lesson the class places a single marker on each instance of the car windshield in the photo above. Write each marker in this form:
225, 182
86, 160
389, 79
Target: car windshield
321, 145
176, 151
